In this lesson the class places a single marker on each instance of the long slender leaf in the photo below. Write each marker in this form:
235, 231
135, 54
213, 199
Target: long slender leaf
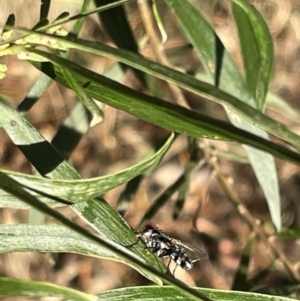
258, 64
79, 190
16, 189
191, 84
266, 173
156, 111
167, 293
34, 146
25, 288
187, 82
117, 26
50, 238
249, 48
87, 101
25, 135
280, 290
257, 49
95, 215
290, 233
117, 227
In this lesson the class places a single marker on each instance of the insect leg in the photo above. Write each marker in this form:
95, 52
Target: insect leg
176, 265
135, 243
168, 265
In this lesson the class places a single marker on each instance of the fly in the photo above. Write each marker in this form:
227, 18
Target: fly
162, 245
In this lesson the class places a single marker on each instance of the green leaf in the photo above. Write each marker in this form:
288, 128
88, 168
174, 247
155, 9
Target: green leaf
167, 293
258, 74
289, 233
95, 214
55, 238
117, 26
16, 287
157, 111
108, 219
25, 135
258, 79
83, 97
257, 49
112, 221
198, 31
280, 290
266, 173
79, 190
33, 145
186, 82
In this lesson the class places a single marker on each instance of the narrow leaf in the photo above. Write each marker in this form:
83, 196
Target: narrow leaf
289, 233
257, 49
191, 84
124, 231
33, 145
258, 60
94, 213
157, 111
79, 190
167, 293
25, 288
83, 97
56, 239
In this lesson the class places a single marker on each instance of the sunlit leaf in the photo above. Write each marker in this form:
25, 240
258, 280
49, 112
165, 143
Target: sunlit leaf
25, 288
156, 111
79, 190
166, 293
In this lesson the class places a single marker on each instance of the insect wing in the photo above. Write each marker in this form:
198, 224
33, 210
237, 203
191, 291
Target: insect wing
191, 251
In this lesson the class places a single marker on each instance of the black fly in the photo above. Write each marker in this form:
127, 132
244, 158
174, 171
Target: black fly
164, 246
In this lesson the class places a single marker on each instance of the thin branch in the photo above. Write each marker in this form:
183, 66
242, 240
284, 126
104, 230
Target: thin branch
254, 223
158, 48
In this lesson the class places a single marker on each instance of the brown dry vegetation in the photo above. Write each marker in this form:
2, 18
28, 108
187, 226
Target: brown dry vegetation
121, 140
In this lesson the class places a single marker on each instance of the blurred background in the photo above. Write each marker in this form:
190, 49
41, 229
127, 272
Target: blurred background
208, 220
